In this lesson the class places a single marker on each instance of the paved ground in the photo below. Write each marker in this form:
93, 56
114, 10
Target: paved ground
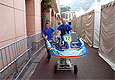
27, 73
90, 67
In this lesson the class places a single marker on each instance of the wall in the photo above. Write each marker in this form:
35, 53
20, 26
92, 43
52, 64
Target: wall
48, 15
33, 9
12, 24
14, 16
12, 21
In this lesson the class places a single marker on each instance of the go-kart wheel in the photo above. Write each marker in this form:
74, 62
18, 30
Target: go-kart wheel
55, 69
75, 69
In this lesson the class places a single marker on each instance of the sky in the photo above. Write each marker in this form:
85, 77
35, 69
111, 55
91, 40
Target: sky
75, 4
70, 2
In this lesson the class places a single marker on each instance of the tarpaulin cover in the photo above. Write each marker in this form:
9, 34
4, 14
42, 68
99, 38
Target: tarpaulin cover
107, 32
83, 26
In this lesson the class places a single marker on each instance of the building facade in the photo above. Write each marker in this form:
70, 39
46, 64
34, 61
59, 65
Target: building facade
19, 18
68, 16
53, 14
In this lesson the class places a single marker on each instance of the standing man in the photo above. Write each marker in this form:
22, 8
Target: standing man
47, 34
64, 28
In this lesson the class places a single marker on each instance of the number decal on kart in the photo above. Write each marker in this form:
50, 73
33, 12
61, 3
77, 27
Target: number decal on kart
67, 38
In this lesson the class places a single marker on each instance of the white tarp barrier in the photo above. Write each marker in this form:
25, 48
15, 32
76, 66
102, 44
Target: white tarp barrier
107, 34
96, 7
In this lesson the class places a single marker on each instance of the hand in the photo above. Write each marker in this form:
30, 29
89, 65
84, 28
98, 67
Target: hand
53, 37
55, 34
45, 38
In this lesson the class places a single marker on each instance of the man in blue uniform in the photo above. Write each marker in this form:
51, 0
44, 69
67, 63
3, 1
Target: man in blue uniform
64, 28
47, 34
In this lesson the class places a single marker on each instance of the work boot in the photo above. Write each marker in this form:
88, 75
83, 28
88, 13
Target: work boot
48, 55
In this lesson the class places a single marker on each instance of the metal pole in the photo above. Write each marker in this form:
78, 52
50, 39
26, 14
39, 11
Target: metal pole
10, 60
19, 52
15, 61
3, 64
7, 64
13, 57
0, 76
30, 51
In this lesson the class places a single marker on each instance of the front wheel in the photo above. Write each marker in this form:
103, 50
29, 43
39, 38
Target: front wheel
75, 69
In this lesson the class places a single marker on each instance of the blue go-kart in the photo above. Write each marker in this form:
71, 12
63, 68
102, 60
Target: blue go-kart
67, 48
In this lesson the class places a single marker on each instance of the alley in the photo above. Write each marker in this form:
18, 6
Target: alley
26, 25
90, 67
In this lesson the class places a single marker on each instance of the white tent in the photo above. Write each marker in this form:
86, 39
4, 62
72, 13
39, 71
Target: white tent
97, 10
86, 22
103, 2
89, 24
93, 25
105, 51
96, 6
80, 12
107, 33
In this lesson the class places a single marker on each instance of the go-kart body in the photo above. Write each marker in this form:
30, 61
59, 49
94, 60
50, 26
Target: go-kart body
67, 49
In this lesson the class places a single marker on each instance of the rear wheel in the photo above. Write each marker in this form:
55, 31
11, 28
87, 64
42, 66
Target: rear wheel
75, 69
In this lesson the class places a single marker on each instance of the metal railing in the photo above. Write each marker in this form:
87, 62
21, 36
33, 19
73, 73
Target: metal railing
16, 56
37, 43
